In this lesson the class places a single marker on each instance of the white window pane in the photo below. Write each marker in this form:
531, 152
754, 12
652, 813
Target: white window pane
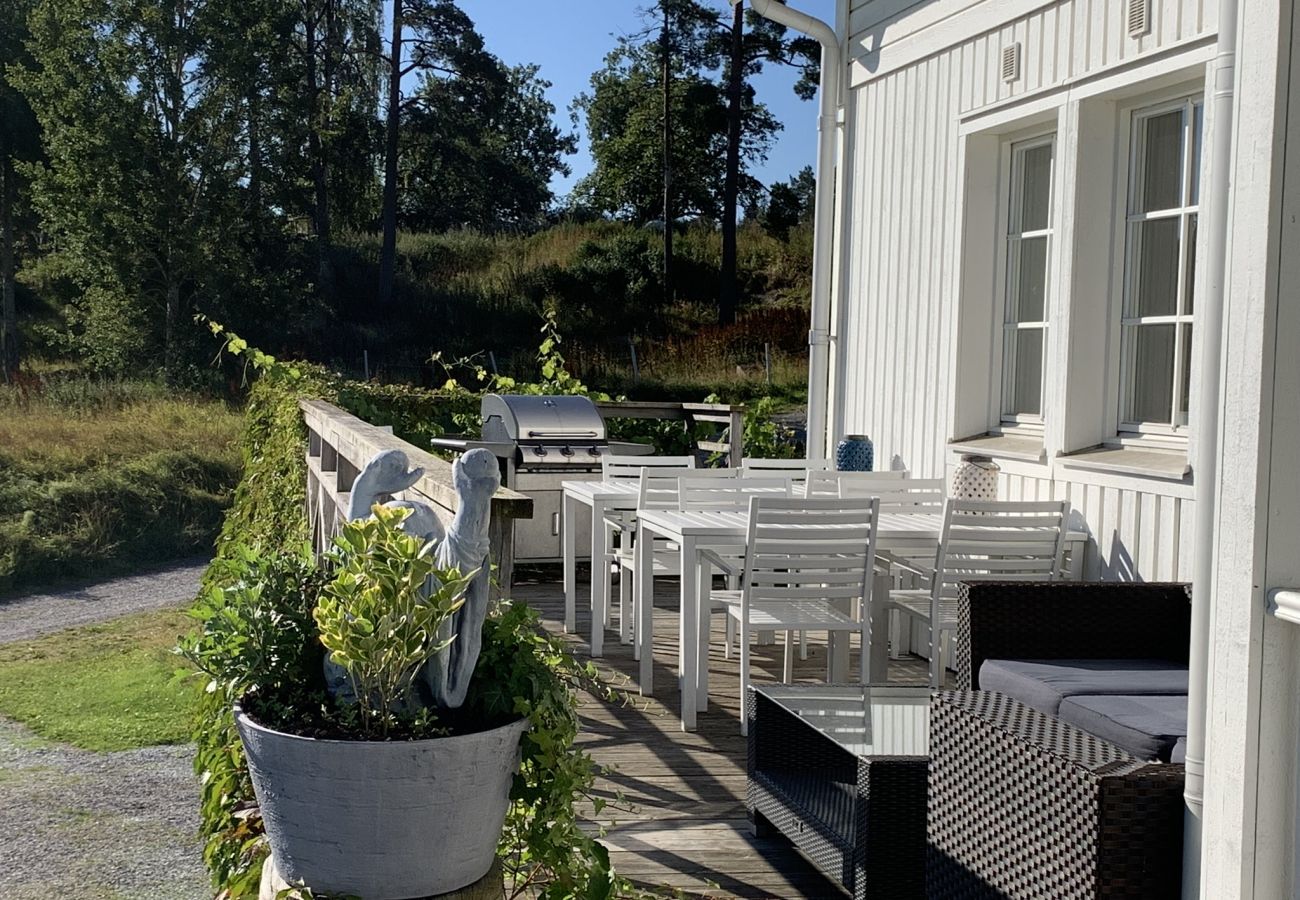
1029, 279
1154, 291
1185, 338
1198, 125
1036, 191
1151, 383
1161, 162
1024, 352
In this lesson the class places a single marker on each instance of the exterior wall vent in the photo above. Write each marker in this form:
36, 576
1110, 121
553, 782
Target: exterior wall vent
1139, 18
1011, 62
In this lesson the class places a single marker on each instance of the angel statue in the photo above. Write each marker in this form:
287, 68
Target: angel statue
463, 546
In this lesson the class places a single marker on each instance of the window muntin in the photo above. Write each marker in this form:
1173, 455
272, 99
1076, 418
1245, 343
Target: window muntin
1028, 254
1160, 264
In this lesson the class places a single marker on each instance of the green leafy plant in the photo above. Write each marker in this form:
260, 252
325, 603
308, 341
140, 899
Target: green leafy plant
376, 618
254, 634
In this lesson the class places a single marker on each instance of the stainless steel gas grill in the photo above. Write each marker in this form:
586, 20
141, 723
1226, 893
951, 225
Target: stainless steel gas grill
541, 443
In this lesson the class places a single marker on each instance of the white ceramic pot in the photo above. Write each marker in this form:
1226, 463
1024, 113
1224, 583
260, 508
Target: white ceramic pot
382, 820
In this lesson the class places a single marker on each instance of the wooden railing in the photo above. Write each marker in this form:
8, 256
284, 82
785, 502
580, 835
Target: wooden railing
729, 420
339, 445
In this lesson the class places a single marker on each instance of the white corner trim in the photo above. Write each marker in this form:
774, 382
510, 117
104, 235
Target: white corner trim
1284, 604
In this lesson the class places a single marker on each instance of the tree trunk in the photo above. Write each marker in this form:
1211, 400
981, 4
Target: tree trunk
665, 78
388, 251
316, 149
731, 182
171, 329
9, 318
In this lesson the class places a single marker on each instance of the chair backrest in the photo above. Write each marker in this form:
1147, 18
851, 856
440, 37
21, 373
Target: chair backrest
661, 487
809, 549
794, 469
827, 483
628, 468
728, 495
996, 540
899, 495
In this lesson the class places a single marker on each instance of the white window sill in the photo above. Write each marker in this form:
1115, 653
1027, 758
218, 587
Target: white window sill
1143, 462
1026, 447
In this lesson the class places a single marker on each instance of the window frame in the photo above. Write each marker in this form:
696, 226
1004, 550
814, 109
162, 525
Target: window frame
1011, 192
1128, 183
1014, 195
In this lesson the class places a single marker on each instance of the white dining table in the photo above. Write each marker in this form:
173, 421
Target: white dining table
905, 535
902, 534
600, 498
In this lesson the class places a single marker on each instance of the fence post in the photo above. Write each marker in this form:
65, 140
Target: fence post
636, 370
737, 437
767, 362
492, 359
365, 360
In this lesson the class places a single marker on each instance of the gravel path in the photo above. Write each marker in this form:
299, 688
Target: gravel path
32, 615
97, 826
81, 825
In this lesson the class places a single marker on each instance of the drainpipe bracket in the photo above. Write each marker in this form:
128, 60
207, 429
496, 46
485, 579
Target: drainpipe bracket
819, 337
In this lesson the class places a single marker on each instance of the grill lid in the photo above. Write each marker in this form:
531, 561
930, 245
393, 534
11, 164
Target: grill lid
531, 419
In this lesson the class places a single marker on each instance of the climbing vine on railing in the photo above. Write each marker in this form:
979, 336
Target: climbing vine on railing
545, 849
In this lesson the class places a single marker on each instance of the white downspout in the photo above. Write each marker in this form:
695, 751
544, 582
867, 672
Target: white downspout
819, 335
1210, 322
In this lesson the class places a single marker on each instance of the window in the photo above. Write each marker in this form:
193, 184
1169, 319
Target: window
1028, 247
1160, 262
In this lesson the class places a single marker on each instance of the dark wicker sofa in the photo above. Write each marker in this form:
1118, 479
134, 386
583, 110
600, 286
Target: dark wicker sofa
1023, 804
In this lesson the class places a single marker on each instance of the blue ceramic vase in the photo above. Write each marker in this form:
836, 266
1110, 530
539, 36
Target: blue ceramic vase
855, 453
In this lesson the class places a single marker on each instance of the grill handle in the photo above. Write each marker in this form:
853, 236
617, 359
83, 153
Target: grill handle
564, 435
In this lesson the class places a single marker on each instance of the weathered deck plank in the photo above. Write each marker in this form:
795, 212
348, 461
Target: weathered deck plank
682, 825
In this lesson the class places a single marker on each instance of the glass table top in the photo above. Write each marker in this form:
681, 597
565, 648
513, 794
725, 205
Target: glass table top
866, 720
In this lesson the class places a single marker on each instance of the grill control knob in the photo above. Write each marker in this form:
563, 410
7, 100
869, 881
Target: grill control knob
539, 451
592, 451
566, 450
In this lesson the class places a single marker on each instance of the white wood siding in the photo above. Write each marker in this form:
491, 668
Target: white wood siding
919, 70
1061, 42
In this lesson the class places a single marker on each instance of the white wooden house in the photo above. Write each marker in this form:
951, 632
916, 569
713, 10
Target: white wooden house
1020, 260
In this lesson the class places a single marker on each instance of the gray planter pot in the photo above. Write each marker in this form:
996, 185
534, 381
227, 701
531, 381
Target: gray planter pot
382, 820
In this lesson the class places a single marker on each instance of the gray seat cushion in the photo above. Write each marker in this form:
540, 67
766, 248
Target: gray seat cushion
1043, 683
1146, 726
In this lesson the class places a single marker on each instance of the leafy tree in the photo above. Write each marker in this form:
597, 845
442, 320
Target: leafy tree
140, 180
436, 39
717, 129
479, 151
789, 203
19, 140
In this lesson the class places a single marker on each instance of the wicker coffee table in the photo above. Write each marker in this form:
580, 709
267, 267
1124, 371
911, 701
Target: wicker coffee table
840, 770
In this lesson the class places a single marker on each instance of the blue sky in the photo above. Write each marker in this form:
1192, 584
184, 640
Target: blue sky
569, 40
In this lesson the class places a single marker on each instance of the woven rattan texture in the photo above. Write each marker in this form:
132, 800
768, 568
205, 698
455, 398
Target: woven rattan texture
798, 780
1069, 620
1022, 805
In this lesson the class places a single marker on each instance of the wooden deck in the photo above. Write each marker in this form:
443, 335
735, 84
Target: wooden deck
683, 826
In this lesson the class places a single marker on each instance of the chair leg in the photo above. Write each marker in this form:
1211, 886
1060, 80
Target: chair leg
936, 656
624, 619
803, 645
731, 636
787, 668
606, 568
877, 655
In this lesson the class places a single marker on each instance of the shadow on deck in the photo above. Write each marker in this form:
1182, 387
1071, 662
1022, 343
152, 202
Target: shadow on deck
683, 825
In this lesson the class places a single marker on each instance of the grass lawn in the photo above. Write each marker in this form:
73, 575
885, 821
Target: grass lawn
102, 687
99, 478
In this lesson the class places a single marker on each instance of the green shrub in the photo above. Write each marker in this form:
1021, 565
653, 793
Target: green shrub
521, 670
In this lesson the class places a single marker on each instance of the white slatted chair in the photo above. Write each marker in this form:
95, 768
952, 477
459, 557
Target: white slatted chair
827, 483
659, 488
983, 540
808, 565
797, 470
727, 494
619, 525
